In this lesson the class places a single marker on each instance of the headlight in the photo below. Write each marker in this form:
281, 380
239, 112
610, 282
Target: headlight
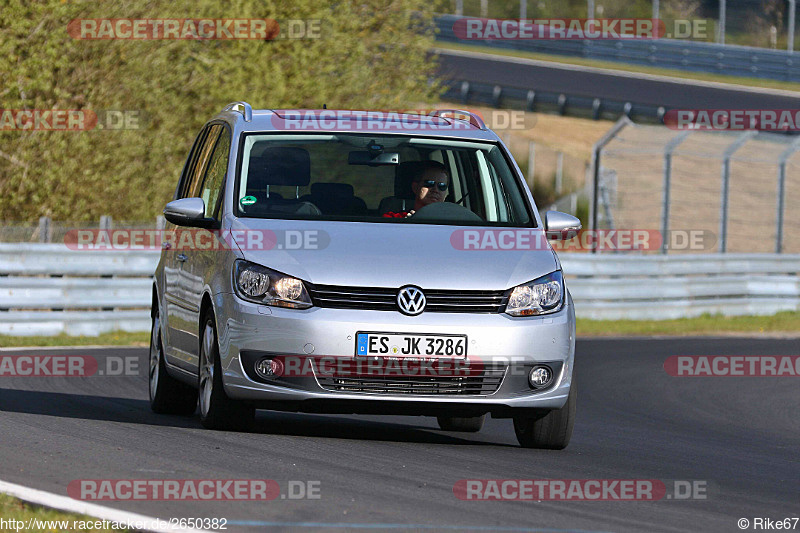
538, 297
262, 285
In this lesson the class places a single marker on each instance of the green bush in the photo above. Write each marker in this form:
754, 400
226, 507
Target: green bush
370, 54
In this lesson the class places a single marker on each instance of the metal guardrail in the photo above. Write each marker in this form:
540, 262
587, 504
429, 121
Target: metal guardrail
615, 287
731, 60
563, 103
46, 289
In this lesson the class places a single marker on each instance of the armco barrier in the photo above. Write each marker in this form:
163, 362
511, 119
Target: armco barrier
731, 60
606, 286
46, 289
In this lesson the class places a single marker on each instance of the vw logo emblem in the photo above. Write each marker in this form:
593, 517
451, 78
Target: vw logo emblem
410, 300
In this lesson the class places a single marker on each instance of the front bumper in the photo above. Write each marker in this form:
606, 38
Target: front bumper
248, 331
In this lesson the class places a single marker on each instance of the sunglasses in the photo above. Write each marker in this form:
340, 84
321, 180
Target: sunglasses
431, 183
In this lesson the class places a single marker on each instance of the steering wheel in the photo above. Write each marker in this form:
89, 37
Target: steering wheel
444, 212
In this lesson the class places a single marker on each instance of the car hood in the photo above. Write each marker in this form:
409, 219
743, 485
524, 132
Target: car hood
386, 255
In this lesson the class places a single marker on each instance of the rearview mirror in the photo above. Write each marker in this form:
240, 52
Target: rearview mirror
188, 212
369, 158
561, 226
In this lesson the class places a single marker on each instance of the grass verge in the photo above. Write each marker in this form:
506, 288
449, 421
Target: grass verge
787, 322
612, 65
782, 323
12, 508
114, 338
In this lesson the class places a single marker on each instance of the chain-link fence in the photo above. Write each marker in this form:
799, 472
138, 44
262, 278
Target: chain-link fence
738, 191
557, 179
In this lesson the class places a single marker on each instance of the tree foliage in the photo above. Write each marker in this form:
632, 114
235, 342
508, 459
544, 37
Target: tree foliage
370, 54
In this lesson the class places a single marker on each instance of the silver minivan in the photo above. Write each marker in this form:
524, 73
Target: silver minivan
373, 262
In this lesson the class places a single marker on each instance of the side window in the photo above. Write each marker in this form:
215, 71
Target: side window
198, 167
214, 182
190, 161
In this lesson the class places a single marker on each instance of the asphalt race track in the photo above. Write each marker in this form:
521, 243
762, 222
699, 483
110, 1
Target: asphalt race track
596, 83
738, 436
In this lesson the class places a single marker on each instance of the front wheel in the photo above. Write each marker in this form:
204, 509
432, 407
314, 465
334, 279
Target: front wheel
550, 430
217, 410
167, 394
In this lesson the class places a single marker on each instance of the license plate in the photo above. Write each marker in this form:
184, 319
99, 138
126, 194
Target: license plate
411, 345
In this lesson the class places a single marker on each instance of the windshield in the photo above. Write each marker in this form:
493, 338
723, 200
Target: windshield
378, 178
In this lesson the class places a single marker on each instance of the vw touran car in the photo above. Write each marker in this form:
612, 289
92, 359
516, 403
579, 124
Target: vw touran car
353, 262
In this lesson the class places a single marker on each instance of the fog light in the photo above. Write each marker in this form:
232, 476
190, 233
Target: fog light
540, 376
269, 368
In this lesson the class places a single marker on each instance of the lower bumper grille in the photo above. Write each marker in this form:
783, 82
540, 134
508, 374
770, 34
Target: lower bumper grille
482, 383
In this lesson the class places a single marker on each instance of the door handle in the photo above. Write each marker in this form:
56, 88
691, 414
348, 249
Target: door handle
182, 258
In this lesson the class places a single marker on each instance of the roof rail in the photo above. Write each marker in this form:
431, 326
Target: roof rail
242, 107
473, 119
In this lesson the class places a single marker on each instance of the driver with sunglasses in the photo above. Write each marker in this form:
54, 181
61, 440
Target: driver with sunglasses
429, 187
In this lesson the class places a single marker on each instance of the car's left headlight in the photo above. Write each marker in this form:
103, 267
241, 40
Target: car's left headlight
538, 297
262, 285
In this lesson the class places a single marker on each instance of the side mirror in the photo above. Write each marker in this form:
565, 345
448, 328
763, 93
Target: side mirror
188, 212
561, 226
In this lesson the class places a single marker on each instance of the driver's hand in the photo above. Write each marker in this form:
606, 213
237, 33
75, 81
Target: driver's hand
410, 213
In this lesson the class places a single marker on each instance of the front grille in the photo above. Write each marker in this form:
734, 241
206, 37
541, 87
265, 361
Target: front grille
384, 299
482, 383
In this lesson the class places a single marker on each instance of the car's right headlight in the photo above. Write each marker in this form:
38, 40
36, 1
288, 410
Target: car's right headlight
538, 297
263, 285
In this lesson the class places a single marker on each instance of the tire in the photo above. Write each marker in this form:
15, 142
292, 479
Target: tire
470, 424
167, 394
217, 410
550, 430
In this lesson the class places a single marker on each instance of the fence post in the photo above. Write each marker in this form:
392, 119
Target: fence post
668, 150
523, 9
726, 172
45, 229
531, 163
781, 198
559, 172
484, 8
596, 149
105, 222
721, 25
790, 36
459, 7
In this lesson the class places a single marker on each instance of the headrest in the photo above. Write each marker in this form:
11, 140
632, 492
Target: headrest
279, 166
337, 190
404, 174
